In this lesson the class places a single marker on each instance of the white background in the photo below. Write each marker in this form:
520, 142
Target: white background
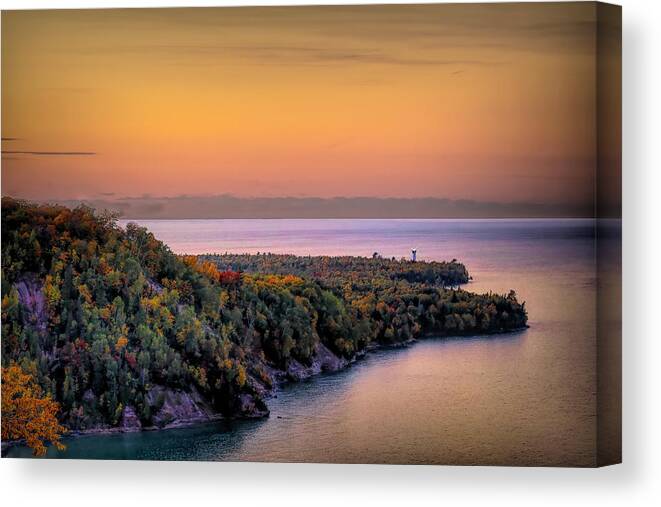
636, 482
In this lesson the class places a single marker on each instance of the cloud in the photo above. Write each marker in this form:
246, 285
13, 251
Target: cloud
330, 34
392, 35
41, 153
49, 153
320, 56
289, 55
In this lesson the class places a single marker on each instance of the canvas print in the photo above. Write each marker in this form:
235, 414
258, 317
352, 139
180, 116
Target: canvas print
331, 234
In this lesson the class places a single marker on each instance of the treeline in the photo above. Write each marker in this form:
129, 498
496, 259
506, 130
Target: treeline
326, 268
391, 301
99, 315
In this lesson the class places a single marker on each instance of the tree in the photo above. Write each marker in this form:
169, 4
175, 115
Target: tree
27, 413
125, 314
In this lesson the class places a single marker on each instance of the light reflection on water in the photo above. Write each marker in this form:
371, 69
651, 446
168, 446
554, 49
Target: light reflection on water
524, 398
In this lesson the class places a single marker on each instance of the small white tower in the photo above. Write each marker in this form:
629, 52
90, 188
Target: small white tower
413, 254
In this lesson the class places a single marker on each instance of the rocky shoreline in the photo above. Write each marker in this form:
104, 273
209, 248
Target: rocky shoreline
186, 408
182, 409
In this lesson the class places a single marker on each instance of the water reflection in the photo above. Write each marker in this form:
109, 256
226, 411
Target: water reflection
526, 398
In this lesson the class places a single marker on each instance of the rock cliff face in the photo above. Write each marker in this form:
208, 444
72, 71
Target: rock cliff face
324, 360
252, 408
171, 408
31, 297
329, 361
130, 420
174, 407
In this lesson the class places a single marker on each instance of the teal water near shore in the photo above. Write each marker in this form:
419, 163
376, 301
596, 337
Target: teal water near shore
525, 398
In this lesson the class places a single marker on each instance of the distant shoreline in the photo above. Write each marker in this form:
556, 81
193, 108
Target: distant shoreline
187, 207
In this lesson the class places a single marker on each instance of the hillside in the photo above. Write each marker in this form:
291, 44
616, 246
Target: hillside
125, 334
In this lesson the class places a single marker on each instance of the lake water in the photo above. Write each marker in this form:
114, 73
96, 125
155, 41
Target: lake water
526, 398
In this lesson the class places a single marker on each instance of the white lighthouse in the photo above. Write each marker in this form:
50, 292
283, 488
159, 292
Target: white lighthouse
414, 252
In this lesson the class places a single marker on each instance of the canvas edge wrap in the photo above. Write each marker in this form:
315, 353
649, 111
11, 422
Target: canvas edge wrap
608, 212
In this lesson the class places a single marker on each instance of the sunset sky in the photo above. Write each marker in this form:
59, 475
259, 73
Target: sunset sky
491, 103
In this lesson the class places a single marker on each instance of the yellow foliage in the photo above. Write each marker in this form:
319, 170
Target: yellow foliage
241, 376
224, 298
51, 291
200, 376
105, 312
364, 304
27, 414
121, 343
92, 247
284, 279
274, 280
189, 260
152, 304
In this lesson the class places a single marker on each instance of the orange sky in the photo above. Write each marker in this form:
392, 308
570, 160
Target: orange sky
485, 102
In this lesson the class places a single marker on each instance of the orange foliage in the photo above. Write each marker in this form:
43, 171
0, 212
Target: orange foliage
211, 271
189, 260
27, 414
85, 292
122, 342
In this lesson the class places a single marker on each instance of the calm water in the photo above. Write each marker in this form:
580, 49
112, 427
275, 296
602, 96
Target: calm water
526, 398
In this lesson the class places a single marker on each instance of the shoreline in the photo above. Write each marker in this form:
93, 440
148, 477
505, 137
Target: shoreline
281, 379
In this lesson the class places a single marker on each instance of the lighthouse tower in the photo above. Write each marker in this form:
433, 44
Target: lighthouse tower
414, 253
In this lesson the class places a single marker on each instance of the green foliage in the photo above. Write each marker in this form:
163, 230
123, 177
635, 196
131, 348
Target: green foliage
98, 315
346, 268
360, 300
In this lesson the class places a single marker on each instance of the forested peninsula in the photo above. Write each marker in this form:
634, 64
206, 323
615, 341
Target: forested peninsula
119, 334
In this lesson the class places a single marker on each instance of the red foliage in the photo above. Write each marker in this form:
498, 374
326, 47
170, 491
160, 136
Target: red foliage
210, 270
229, 277
130, 359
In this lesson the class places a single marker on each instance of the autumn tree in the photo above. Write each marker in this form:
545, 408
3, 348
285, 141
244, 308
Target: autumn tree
99, 314
28, 414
